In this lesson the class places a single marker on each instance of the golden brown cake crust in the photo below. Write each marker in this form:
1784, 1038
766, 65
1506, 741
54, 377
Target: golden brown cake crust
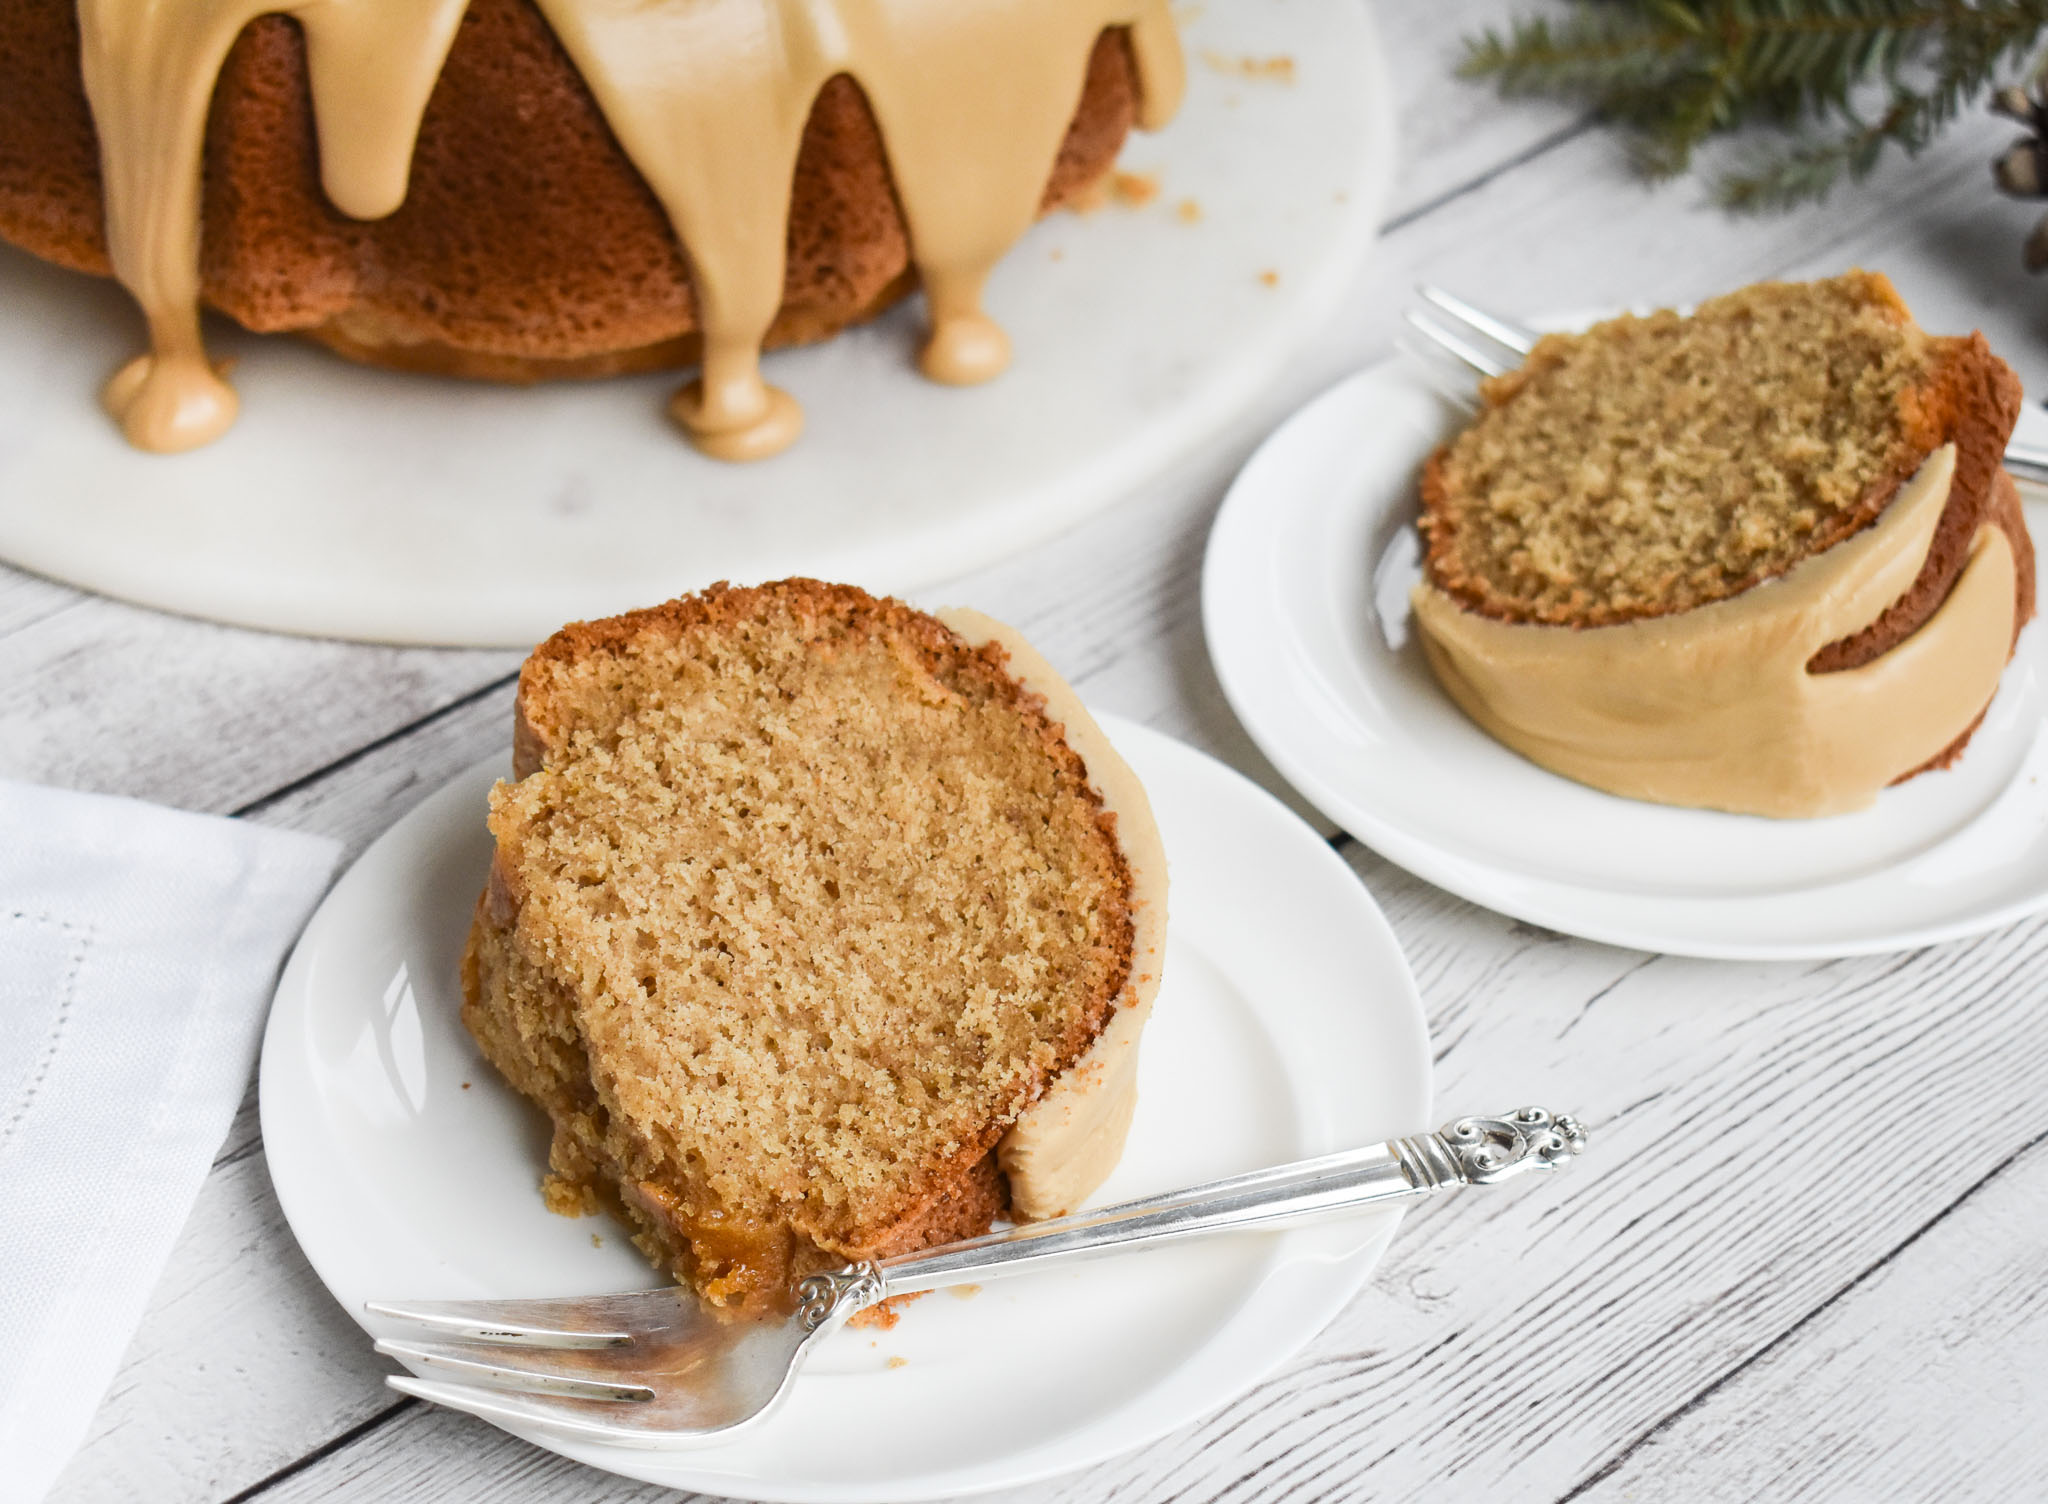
532, 1027
1973, 402
528, 247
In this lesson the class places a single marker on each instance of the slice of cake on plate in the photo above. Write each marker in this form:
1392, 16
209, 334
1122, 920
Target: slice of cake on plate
822, 928
1762, 558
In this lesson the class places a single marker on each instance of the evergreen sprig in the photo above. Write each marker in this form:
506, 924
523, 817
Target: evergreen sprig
1845, 79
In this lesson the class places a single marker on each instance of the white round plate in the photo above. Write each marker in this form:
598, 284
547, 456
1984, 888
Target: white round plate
1287, 1026
1305, 603
365, 504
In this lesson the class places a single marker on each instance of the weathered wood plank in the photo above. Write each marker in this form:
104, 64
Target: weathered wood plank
362, 797
27, 598
385, 1466
1453, 134
1924, 1381
116, 699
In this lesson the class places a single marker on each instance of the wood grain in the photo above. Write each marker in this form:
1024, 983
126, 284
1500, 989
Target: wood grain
116, 699
1920, 1381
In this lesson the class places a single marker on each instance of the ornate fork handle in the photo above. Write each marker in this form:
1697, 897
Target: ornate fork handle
1465, 1151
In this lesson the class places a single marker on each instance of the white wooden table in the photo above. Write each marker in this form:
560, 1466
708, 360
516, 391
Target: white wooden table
1805, 1258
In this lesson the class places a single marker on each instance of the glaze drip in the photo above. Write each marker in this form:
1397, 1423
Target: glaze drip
149, 74
709, 99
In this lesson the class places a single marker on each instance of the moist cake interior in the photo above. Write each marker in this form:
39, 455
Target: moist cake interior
1657, 464
805, 901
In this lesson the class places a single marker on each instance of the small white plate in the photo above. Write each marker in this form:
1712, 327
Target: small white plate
1305, 603
1288, 1025
366, 504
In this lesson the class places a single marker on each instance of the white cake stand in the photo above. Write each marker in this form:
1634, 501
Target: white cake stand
363, 504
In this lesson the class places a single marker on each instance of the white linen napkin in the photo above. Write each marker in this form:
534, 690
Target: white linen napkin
138, 950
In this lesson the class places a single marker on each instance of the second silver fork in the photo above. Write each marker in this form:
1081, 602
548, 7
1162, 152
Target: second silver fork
1489, 345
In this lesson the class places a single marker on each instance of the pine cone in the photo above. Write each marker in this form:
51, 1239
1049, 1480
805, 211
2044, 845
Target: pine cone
2023, 170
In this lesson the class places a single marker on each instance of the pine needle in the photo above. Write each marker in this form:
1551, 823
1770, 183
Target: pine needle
1679, 72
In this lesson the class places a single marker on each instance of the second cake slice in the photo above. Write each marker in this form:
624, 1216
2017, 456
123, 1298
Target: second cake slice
1761, 558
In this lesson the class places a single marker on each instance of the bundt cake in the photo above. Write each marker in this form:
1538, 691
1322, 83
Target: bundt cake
520, 189
820, 928
1761, 558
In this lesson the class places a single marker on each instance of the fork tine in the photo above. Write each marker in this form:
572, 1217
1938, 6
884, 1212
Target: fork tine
1453, 344
1438, 373
535, 1323
500, 1408
466, 1367
1514, 336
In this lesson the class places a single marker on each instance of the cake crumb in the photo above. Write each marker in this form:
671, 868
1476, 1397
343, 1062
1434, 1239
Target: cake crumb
884, 1317
1058, 254
1188, 212
897, 1360
465, 1086
1279, 70
568, 1198
1134, 190
1269, 278
596, 1240
965, 1292
1091, 196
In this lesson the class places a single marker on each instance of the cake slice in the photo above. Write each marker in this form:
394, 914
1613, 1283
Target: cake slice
1673, 555
805, 906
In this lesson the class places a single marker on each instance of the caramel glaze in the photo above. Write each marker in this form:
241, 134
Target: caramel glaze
1717, 707
708, 98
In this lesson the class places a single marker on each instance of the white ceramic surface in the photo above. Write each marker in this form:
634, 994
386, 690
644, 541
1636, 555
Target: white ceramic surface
1305, 602
1287, 1025
364, 504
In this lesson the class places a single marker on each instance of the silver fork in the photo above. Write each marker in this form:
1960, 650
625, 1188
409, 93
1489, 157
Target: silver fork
2027, 462
654, 1368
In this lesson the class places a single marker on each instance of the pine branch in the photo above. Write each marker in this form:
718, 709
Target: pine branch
1679, 72
1808, 172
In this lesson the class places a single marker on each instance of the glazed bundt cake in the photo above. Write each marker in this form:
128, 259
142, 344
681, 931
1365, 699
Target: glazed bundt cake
1760, 558
821, 929
521, 189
